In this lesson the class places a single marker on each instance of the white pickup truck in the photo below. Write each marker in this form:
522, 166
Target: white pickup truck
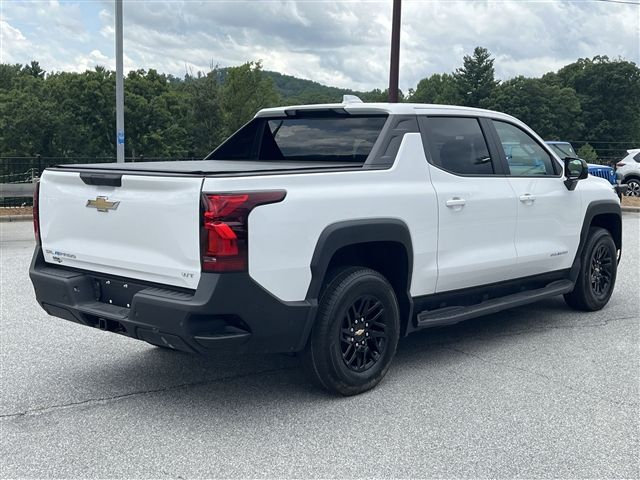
330, 230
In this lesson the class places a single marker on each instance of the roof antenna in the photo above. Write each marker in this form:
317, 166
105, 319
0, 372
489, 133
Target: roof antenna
351, 99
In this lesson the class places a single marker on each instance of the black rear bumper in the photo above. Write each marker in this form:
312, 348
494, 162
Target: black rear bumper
227, 312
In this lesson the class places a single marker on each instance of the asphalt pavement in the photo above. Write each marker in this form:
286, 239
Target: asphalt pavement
539, 391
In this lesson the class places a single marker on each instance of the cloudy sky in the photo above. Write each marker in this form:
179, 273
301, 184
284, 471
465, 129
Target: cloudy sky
340, 43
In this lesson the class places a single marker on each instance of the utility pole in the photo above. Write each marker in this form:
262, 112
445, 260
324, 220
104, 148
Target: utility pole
119, 86
394, 69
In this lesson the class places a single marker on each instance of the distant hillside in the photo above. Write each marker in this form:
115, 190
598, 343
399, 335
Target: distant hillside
298, 91
297, 88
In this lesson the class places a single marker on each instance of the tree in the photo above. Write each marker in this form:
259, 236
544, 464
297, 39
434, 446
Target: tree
475, 80
84, 105
587, 153
204, 116
9, 75
551, 110
609, 92
244, 92
72, 115
34, 70
438, 88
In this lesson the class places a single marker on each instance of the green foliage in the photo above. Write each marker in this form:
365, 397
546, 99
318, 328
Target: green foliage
204, 113
438, 88
475, 80
73, 114
300, 91
609, 93
553, 111
587, 153
245, 91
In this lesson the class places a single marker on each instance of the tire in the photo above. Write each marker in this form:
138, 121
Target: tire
633, 187
344, 356
597, 276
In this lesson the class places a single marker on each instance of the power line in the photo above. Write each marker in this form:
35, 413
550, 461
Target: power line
637, 4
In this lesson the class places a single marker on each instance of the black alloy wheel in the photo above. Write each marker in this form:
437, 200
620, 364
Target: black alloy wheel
601, 270
364, 334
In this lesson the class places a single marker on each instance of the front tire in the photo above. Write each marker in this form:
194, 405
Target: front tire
356, 332
598, 270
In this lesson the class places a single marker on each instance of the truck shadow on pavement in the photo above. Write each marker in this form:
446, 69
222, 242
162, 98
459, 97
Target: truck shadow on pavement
231, 378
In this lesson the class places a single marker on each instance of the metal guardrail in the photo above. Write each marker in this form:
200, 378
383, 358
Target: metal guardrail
16, 190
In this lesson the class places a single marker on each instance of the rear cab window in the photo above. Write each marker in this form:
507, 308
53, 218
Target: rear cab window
458, 145
335, 138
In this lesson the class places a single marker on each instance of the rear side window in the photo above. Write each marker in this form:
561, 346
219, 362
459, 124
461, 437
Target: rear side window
636, 157
341, 138
524, 155
458, 145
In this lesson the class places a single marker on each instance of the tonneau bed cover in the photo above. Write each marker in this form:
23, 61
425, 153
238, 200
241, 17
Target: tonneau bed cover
211, 167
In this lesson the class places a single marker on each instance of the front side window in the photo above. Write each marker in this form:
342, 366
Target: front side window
524, 155
340, 138
458, 145
563, 150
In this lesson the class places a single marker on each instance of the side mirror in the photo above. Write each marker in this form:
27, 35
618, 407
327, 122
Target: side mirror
574, 169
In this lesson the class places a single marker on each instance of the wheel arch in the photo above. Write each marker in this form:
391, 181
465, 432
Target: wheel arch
383, 244
605, 214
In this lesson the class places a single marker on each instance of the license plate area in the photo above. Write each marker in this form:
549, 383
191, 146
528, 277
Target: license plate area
116, 292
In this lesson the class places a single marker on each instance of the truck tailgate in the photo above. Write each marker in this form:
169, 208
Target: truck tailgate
147, 228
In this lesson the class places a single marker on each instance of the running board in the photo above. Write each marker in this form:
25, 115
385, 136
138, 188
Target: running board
455, 314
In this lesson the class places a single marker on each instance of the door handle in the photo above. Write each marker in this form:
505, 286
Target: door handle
456, 202
527, 198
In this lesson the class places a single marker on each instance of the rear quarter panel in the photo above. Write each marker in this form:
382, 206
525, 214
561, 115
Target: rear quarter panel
283, 236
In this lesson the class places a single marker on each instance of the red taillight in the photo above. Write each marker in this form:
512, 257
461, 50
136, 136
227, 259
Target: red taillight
620, 164
36, 212
225, 223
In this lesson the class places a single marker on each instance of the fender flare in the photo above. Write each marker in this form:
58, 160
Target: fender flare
594, 209
351, 232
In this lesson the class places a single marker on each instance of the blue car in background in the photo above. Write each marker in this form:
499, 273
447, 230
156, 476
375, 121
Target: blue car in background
565, 149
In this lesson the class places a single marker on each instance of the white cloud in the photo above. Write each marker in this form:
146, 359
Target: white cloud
82, 62
13, 44
337, 43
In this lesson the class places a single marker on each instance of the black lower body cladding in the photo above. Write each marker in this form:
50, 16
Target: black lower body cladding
227, 312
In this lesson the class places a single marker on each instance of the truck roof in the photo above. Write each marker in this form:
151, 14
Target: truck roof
358, 107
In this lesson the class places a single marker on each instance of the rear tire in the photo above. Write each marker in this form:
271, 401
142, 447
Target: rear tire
356, 332
598, 270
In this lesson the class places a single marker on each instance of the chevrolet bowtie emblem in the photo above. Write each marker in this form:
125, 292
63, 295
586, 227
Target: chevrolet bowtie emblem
102, 204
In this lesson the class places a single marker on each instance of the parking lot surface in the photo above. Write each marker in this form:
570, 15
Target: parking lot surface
539, 391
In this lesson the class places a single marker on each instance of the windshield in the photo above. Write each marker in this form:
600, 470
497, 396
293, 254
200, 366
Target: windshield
335, 138
563, 149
